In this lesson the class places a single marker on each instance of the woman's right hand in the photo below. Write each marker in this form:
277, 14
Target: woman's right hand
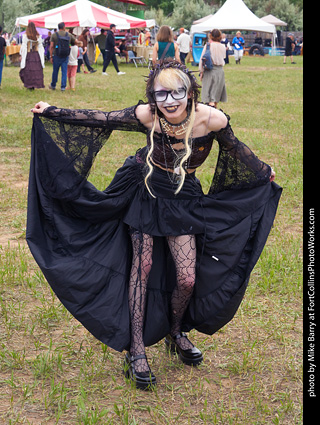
39, 107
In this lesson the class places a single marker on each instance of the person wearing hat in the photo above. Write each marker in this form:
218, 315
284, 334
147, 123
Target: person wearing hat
183, 42
289, 48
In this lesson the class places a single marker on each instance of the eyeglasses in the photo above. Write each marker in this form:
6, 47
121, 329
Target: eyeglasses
162, 95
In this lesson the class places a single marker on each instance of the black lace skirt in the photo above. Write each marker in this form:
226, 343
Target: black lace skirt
82, 245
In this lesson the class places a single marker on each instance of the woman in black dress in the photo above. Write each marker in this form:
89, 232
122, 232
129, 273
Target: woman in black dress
151, 256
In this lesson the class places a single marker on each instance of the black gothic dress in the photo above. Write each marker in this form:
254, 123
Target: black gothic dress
79, 235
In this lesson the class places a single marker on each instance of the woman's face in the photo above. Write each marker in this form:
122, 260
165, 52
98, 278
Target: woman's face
174, 107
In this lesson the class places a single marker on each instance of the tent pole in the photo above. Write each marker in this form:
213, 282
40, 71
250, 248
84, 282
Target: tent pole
274, 44
12, 33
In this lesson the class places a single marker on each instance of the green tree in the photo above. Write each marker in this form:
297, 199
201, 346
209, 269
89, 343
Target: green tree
165, 5
285, 10
12, 9
187, 11
157, 15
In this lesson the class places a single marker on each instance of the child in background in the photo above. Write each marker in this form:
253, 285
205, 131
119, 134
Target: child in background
72, 65
80, 57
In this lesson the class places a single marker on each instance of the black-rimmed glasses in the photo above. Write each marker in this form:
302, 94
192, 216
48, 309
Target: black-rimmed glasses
162, 95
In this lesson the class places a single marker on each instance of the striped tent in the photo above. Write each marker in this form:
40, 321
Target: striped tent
83, 13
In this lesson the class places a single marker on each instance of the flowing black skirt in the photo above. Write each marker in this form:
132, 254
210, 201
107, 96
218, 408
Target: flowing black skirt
32, 74
82, 245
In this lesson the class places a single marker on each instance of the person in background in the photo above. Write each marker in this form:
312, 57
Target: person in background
164, 46
111, 50
101, 41
46, 45
73, 65
147, 39
2, 53
238, 43
128, 38
32, 58
213, 81
289, 48
123, 51
58, 60
183, 42
80, 58
84, 38
225, 41
141, 38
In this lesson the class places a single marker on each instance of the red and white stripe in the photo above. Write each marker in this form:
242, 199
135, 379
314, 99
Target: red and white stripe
83, 13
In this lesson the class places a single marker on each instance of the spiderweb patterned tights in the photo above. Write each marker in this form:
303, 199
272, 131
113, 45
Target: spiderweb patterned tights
183, 250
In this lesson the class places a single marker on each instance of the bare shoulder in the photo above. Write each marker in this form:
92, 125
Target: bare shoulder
213, 119
144, 115
218, 120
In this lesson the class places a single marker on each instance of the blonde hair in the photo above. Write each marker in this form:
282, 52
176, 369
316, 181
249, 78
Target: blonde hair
170, 78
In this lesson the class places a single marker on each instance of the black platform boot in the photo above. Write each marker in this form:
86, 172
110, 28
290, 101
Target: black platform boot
142, 380
191, 356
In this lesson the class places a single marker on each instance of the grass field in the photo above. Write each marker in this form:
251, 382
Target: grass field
52, 371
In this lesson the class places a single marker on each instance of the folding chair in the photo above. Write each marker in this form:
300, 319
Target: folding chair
136, 59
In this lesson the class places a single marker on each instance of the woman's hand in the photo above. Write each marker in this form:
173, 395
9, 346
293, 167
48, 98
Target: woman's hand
272, 175
39, 107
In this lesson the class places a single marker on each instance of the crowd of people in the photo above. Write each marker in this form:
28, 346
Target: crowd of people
75, 59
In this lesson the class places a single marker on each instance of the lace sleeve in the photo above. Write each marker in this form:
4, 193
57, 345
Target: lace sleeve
237, 166
124, 119
68, 141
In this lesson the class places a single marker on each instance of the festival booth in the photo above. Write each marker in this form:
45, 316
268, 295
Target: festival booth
81, 14
233, 15
278, 23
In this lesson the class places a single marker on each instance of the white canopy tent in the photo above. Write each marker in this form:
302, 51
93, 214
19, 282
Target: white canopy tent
83, 13
198, 21
234, 15
273, 20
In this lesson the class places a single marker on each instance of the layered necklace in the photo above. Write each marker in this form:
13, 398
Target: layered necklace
176, 129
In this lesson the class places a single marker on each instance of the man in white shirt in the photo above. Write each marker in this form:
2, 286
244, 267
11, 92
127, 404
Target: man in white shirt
183, 42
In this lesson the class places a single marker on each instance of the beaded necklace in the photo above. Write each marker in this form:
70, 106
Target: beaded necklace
177, 171
176, 129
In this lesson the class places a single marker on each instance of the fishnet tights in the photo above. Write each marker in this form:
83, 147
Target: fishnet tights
183, 250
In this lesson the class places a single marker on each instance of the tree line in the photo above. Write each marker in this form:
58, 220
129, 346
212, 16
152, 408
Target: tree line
176, 13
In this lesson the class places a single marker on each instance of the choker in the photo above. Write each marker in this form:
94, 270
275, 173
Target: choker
176, 129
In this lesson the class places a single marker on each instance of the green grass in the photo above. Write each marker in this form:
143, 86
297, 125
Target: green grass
52, 371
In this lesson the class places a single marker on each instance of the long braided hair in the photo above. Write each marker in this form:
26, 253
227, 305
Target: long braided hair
169, 73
